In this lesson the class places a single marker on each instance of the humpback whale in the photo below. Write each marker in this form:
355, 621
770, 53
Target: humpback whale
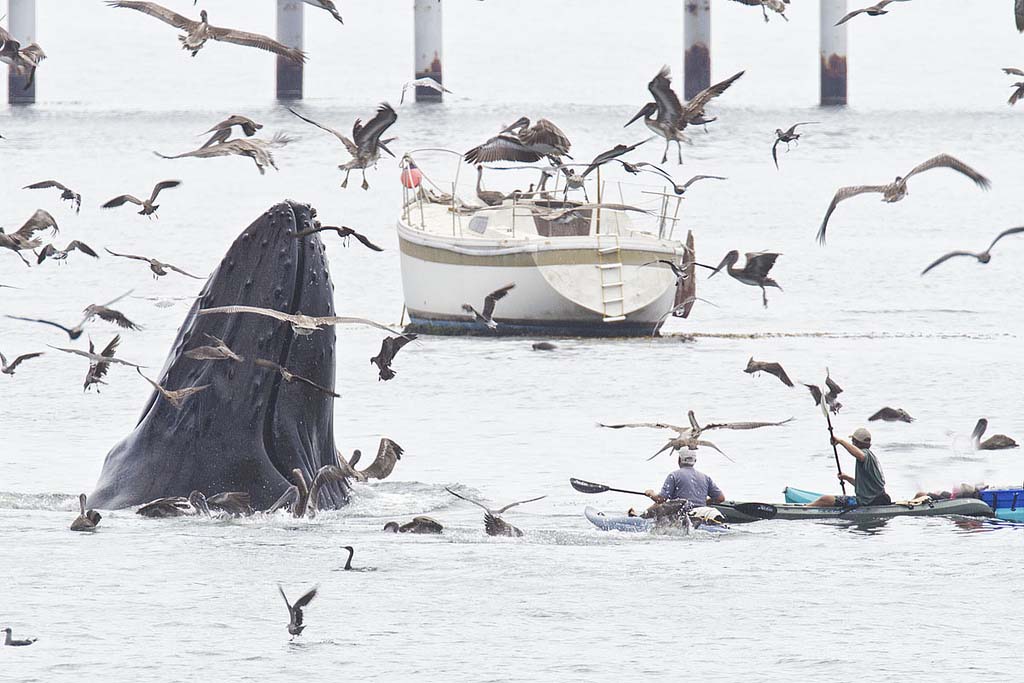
250, 429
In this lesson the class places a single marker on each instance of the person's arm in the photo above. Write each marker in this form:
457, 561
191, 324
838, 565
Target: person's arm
850, 448
666, 491
847, 477
715, 494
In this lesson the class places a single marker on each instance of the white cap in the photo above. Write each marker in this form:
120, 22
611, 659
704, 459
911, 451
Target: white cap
688, 459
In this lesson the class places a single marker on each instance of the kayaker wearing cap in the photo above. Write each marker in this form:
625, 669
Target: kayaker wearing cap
688, 483
868, 482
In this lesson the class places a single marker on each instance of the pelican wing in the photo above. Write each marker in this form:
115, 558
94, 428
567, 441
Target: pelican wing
369, 135
945, 258
53, 183
760, 263
842, 194
313, 384
701, 99
947, 161
519, 502
162, 185
1013, 71
1018, 14
646, 425
745, 425
660, 87
257, 40
388, 454
701, 442
544, 132
40, 220
345, 320
269, 312
503, 147
289, 497
349, 145
1004, 233
158, 12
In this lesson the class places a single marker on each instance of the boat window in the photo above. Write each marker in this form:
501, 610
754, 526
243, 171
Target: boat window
478, 224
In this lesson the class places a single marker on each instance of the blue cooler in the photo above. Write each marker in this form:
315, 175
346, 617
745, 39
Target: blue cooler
1008, 503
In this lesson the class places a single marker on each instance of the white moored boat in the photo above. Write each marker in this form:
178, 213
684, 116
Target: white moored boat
575, 274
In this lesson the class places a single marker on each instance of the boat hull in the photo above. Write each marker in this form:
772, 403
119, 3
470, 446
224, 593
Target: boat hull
964, 507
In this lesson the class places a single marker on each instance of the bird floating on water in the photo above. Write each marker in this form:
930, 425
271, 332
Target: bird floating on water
289, 376
87, 520
418, 525
876, 10
389, 348
301, 324
487, 317
9, 368
175, 506
996, 442
789, 135
343, 231
159, 268
295, 616
366, 144
755, 366
493, 524
12, 642
52, 252
754, 272
65, 195
24, 237
425, 82
148, 207
888, 414
897, 189
982, 257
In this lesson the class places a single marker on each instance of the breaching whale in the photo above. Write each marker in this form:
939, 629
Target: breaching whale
250, 429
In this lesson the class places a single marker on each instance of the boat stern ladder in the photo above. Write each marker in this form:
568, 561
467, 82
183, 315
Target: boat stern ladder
609, 264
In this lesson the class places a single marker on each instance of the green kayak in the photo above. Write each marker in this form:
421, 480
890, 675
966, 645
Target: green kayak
966, 507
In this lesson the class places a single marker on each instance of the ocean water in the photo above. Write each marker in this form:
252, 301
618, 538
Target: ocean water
773, 600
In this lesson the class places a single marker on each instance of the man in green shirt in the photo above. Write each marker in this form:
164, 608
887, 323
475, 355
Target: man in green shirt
868, 482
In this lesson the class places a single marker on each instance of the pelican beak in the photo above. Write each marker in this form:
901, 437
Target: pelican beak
383, 145
645, 110
719, 268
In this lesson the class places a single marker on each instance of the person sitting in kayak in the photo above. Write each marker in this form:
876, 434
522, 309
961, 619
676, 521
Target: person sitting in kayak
688, 483
868, 482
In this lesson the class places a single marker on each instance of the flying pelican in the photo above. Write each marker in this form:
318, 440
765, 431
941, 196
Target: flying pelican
148, 207
897, 189
21, 59
256, 149
50, 251
23, 238
87, 520
301, 324
389, 348
388, 455
493, 524
778, 6
418, 525
65, 195
983, 257
487, 317
1018, 87
217, 351
198, 32
543, 136
9, 368
289, 376
753, 273
425, 82
891, 415
876, 10
488, 197
295, 625
771, 368
101, 311
365, 144
787, 136
531, 143
996, 442
222, 131
343, 231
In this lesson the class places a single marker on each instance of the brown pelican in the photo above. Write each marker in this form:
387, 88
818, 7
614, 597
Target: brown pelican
891, 415
983, 257
787, 136
996, 442
487, 317
543, 346
87, 520
388, 455
99, 363
753, 273
418, 525
876, 10
218, 351
365, 145
897, 189
324, 475
176, 397
425, 82
689, 436
573, 181
543, 136
493, 524
234, 503
777, 6
389, 347
324, 4
255, 149
488, 197
50, 251
21, 59
531, 143
12, 642
295, 625
296, 496
198, 32
771, 368
159, 268
9, 368
101, 311
345, 233
23, 238
289, 376
148, 207
175, 506
301, 324
222, 131
672, 116
608, 155
66, 194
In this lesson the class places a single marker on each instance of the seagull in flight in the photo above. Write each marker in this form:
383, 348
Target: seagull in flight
983, 257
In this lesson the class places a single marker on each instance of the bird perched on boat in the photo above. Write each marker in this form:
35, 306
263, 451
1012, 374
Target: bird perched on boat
754, 366
388, 455
487, 317
295, 616
101, 311
159, 268
493, 524
982, 257
488, 197
256, 149
22, 60
788, 136
99, 363
175, 506
671, 117
301, 324
289, 376
425, 82
216, 350
24, 237
888, 414
573, 181
222, 131
66, 194
176, 397
50, 251
389, 348
148, 207
13, 642
418, 525
876, 10
897, 189
996, 442
198, 32
87, 520
343, 231
613, 153
9, 368
366, 144
777, 6
754, 272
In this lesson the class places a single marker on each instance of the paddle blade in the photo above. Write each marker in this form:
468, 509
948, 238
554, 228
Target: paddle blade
587, 486
758, 510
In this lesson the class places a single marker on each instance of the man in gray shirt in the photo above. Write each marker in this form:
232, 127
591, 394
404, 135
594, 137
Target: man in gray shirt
687, 483
868, 482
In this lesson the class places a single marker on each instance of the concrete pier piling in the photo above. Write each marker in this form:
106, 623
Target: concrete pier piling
427, 15
22, 25
833, 53
289, 32
697, 46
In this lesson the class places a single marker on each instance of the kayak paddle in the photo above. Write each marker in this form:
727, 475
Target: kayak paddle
758, 510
